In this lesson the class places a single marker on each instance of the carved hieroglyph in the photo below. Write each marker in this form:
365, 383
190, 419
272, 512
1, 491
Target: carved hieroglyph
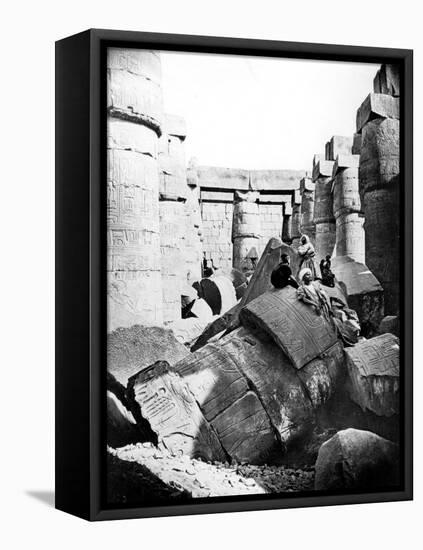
133, 129
378, 122
165, 400
234, 412
374, 371
350, 236
295, 327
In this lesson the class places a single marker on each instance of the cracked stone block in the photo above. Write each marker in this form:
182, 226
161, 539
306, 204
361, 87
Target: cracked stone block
374, 370
357, 459
377, 106
167, 403
245, 431
295, 327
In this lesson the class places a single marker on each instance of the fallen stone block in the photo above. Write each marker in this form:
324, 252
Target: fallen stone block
363, 290
390, 324
121, 426
129, 350
163, 399
273, 378
373, 369
214, 379
322, 376
356, 459
245, 431
295, 327
377, 106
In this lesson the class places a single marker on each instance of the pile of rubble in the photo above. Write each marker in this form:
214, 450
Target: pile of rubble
254, 393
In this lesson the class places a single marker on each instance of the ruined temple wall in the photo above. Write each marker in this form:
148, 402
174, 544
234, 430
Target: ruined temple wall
379, 125
217, 231
271, 223
135, 114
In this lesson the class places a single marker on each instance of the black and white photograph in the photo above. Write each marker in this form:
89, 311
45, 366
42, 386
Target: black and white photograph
253, 277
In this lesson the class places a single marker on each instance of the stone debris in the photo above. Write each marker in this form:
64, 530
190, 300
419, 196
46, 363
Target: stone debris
165, 401
129, 350
364, 292
121, 426
356, 459
198, 479
374, 370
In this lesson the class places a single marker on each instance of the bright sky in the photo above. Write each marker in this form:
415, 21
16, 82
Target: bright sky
256, 112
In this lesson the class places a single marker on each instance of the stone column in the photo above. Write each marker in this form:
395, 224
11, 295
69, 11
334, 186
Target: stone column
296, 218
287, 223
347, 208
378, 123
172, 196
135, 110
193, 226
245, 229
323, 209
308, 227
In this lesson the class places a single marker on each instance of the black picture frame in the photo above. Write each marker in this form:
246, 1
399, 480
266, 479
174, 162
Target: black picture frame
81, 254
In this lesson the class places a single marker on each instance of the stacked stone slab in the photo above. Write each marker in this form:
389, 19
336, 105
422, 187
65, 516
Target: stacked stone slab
323, 208
378, 123
135, 113
172, 196
338, 145
307, 189
245, 230
347, 208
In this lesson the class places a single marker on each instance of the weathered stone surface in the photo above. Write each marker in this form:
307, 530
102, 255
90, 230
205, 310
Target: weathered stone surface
275, 382
338, 145
308, 227
356, 148
166, 402
245, 431
379, 188
323, 210
387, 80
130, 350
133, 127
373, 368
391, 324
295, 327
350, 238
245, 229
377, 106
121, 426
322, 375
214, 379
278, 180
356, 459
363, 290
